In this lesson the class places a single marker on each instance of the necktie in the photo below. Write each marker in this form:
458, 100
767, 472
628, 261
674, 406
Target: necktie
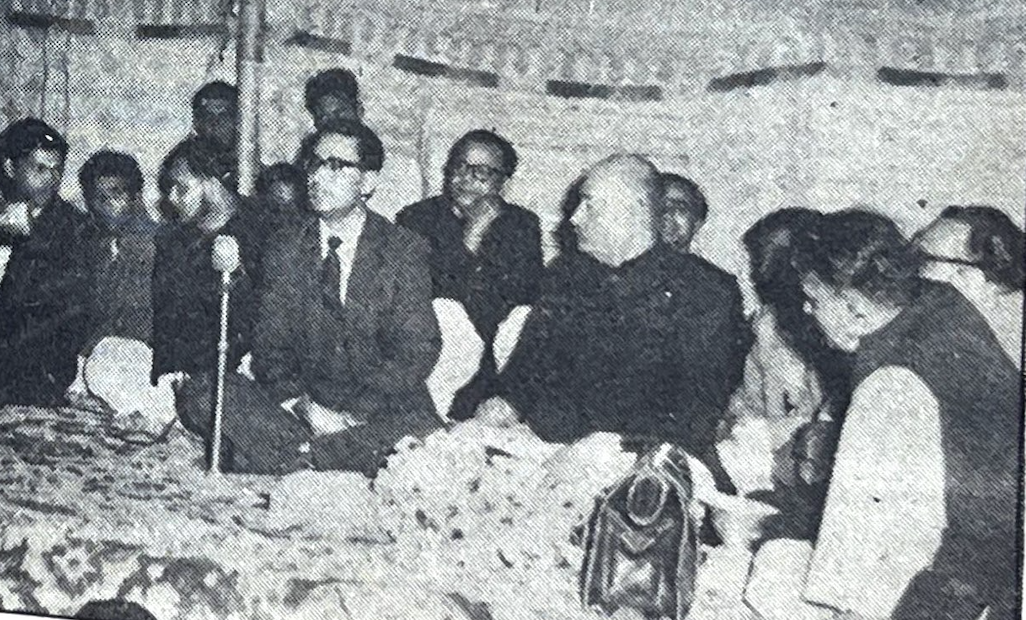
331, 275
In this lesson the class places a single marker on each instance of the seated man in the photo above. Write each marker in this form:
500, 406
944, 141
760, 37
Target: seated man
44, 287
346, 335
120, 248
683, 212
628, 336
979, 251
920, 519
485, 252
185, 289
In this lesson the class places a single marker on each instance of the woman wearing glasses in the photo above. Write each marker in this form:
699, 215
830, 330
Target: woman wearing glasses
979, 251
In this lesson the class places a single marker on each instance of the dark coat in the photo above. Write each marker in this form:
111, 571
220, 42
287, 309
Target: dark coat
372, 358
946, 342
44, 307
504, 273
122, 281
651, 350
186, 298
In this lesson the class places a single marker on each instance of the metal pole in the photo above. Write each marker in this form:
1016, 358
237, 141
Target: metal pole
248, 59
222, 372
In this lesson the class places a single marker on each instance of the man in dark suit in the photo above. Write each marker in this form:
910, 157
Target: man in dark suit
44, 286
629, 336
346, 335
485, 252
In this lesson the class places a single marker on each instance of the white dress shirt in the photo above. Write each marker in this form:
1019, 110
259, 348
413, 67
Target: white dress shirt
348, 232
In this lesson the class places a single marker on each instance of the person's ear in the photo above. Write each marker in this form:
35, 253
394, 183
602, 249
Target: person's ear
369, 183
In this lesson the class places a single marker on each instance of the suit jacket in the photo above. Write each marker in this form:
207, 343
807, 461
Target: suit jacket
372, 358
44, 306
651, 350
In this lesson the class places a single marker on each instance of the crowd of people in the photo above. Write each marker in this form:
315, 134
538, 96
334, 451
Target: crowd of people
864, 340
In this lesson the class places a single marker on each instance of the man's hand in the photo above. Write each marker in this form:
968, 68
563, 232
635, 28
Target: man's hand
497, 412
479, 218
322, 420
15, 219
175, 380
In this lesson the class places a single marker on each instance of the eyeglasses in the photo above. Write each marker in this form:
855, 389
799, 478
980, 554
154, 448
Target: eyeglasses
480, 172
335, 164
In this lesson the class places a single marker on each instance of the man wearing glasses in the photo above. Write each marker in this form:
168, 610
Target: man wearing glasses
485, 252
346, 334
978, 250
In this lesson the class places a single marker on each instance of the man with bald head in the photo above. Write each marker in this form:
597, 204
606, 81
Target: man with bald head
629, 336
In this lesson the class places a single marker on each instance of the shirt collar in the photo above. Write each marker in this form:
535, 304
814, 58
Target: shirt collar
348, 230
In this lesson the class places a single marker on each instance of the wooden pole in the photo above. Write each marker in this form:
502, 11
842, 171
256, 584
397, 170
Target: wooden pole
249, 56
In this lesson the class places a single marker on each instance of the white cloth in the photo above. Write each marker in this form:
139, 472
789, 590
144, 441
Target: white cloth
885, 511
460, 356
348, 232
508, 335
775, 582
117, 372
5, 257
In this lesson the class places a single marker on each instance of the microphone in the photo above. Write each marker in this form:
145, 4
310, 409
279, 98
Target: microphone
225, 254
225, 259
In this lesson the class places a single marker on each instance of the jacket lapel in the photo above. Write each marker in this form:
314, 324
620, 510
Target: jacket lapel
363, 277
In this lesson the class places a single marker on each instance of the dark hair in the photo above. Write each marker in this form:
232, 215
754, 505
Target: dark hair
114, 609
566, 237
280, 172
202, 158
24, 136
338, 82
696, 203
219, 90
368, 145
995, 243
110, 164
772, 244
489, 138
864, 251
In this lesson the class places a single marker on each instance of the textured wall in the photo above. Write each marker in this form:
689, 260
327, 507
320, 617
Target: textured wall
828, 141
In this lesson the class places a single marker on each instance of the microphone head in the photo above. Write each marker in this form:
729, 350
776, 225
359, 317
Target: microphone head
225, 255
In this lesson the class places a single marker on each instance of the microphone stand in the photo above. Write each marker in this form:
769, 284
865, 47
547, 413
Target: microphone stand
222, 367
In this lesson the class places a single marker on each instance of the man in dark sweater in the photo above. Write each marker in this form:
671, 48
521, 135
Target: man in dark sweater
120, 248
185, 286
628, 336
44, 288
926, 483
485, 252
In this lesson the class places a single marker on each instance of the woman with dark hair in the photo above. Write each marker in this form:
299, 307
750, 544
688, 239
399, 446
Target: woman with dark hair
979, 251
780, 429
791, 377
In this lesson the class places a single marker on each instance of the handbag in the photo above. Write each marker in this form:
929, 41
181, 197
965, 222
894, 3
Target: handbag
640, 541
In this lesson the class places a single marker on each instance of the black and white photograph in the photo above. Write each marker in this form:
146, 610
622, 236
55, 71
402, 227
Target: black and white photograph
512, 309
